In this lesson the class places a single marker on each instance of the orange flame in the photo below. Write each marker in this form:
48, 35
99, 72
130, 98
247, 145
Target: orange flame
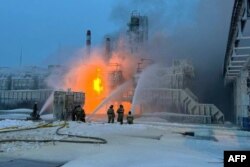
91, 77
97, 82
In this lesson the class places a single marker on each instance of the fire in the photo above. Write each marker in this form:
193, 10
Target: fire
91, 76
97, 83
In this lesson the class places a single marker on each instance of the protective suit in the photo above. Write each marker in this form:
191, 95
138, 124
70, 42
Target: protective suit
111, 114
120, 113
80, 114
34, 115
130, 118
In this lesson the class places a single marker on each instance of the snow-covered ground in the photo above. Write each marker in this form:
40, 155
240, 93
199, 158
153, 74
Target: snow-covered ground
21, 113
146, 144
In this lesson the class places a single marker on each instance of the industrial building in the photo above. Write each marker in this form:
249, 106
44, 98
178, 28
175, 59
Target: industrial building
26, 78
169, 92
137, 31
21, 88
237, 62
12, 99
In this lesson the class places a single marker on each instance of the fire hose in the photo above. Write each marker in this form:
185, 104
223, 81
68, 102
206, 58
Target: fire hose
15, 129
98, 139
91, 140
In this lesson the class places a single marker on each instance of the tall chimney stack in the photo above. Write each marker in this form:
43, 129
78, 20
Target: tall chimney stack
88, 41
107, 47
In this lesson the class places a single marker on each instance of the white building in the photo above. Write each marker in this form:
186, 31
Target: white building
237, 62
27, 78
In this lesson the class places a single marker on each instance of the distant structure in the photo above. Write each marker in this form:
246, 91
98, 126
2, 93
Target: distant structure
21, 88
107, 48
168, 91
237, 62
27, 78
88, 41
137, 31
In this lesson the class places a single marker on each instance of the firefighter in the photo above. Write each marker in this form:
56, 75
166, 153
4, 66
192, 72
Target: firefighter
83, 115
111, 114
130, 118
120, 113
34, 115
73, 114
80, 114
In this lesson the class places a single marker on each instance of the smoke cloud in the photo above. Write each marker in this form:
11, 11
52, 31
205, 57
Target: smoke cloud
196, 30
182, 29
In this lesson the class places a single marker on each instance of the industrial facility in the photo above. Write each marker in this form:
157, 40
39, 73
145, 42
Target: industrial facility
137, 31
170, 94
236, 62
21, 88
99, 83
171, 98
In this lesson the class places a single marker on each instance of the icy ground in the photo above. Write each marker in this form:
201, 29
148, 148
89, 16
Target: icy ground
144, 144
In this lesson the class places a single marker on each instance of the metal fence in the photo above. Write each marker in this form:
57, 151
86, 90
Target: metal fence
11, 99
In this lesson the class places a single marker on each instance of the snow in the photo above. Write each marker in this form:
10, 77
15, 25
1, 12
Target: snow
19, 110
21, 113
155, 119
146, 143
46, 117
14, 116
15, 123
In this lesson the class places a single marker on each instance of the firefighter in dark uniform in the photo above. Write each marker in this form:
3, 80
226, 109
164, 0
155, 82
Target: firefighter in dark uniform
111, 114
34, 115
130, 118
73, 114
120, 113
80, 114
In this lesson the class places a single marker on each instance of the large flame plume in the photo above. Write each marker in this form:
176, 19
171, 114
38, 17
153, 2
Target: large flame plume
91, 76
